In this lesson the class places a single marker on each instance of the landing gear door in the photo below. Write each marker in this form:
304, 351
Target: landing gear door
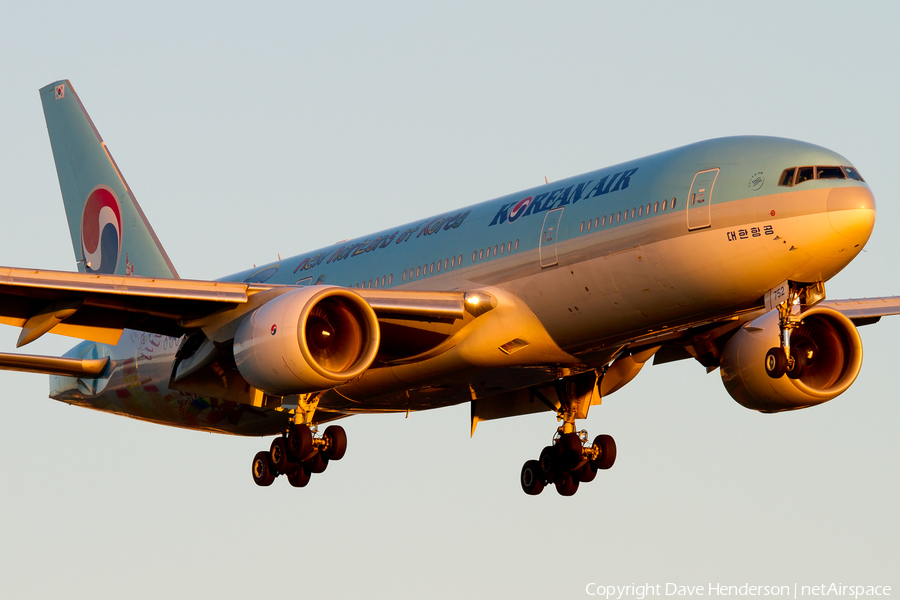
549, 233
700, 198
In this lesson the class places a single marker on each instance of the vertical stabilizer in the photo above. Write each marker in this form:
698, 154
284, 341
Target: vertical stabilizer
110, 233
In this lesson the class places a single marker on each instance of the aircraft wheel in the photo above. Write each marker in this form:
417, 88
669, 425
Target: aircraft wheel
586, 473
262, 473
299, 442
796, 372
569, 447
607, 451
298, 476
776, 363
337, 442
278, 457
566, 485
547, 462
531, 478
317, 463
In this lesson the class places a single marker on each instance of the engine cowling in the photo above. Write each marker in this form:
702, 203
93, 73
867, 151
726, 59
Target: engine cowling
828, 337
307, 340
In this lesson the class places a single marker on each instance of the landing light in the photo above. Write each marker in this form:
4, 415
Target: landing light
473, 300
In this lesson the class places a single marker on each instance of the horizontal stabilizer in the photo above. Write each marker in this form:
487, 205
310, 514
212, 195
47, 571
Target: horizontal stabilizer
53, 365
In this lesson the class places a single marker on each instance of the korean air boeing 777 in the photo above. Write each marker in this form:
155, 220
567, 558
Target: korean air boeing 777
547, 300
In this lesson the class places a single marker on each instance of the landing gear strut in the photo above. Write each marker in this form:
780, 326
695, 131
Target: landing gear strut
570, 460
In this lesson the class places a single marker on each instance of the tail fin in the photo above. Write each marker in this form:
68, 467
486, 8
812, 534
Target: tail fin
110, 233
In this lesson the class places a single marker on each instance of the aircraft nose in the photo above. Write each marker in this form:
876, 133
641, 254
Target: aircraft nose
851, 211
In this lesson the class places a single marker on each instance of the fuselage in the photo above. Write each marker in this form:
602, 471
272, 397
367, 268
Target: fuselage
695, 232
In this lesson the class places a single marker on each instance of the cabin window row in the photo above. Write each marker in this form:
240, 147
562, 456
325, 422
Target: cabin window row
622, 216
497, 250
796, 175
383, 281
434, 267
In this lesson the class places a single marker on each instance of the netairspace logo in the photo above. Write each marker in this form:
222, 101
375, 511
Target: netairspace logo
641, 592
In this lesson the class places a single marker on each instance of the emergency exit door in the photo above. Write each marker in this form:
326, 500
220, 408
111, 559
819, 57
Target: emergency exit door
700, 198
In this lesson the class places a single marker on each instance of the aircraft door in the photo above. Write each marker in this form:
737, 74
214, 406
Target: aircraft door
700, 198
549, 233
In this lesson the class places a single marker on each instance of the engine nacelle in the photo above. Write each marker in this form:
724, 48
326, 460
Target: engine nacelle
307, 340
828, 337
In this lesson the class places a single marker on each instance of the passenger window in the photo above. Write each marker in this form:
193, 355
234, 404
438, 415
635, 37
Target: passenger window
582, 227
376, 282
625, 218
509, 247
618, 216
438, 266
432, 268
418, 271
803, 174
383, 280
829, 173
403, 275
632, 213
787, 178
517, 245
474, 255
596, 222
673, 203
641, 211
604, 221
852, 173
446, 263
648, 209
656, 207
481, 254
460, 260
391, 279
502, 248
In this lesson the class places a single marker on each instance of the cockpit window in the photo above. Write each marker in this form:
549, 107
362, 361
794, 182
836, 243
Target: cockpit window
829, 173
797, 175
787, 178
853, 174
804, 174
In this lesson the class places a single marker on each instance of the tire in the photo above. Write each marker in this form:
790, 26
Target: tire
569, 448
586, 473
278, 457
606, 457
262, 473
566, 485
548, 464
337, 442
298, 476
299, 442
799, 357
775, 363
531, 478
317, 463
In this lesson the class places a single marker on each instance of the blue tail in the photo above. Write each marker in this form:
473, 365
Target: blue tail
110, 233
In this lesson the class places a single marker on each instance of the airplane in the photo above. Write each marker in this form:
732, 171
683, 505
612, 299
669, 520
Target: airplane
544, 300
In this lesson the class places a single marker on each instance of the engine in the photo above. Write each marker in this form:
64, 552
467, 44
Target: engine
832, 351
307, 340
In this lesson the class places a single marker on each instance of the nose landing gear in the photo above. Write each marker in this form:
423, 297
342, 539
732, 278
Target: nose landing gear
786, 359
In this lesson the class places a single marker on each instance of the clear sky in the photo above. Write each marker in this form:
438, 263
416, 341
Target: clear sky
248, 131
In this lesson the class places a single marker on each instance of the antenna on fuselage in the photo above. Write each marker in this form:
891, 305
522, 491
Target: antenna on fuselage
546, 180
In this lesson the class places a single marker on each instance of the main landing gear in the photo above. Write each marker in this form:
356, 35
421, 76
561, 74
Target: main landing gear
571, 459
569, 462
299, 454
